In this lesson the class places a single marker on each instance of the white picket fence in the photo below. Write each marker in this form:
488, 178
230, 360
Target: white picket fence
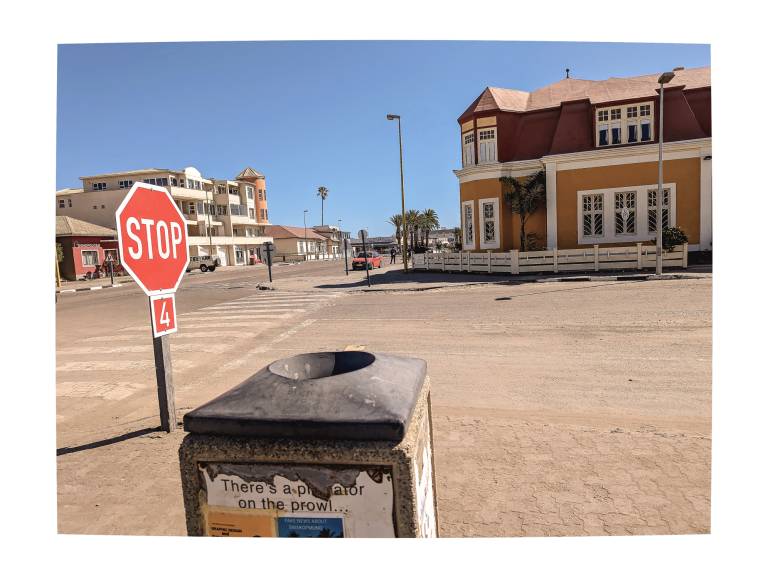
515, 262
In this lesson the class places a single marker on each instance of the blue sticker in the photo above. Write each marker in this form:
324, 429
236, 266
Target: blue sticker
310, 527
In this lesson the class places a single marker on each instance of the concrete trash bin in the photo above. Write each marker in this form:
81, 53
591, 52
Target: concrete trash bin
335, 444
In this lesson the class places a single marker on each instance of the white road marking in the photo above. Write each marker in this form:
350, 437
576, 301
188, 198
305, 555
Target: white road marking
111, 391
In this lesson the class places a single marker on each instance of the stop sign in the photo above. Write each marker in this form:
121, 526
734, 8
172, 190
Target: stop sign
153, 238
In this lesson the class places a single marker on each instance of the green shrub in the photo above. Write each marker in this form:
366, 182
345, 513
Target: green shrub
672, 236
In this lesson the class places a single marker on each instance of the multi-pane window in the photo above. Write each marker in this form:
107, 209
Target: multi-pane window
221, 189
623, 125
468, 149
99, 186
61, 203
592, 215
469, 234
90, 258
249, 192
221, 209
261, 194
489, 223
251, 213
262, 214
174, 182
160, 181
69, 202
191, 208
625, 209
125, 184
487, 144
653, 208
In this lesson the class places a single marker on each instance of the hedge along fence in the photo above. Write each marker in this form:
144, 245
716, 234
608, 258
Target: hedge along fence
516, 262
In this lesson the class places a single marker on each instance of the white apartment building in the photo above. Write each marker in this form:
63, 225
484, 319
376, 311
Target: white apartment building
224, 217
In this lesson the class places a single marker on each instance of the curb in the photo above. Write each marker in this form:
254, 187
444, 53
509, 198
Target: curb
96, 288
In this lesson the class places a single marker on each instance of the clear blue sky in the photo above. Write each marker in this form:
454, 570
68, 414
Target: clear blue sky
310, 113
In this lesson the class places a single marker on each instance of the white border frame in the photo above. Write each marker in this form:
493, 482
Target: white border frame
127, 267
609, 223
464, 246
496, 243
158, 297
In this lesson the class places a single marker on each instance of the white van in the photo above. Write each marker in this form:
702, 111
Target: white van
204, 263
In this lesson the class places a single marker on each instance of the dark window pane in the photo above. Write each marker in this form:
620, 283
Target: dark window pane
616, 135
603, 137
632, 134
645, 132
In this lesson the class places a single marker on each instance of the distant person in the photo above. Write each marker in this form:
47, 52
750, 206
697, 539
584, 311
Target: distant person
392, 253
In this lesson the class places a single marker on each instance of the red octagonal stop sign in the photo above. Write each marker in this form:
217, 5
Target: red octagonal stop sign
153, 238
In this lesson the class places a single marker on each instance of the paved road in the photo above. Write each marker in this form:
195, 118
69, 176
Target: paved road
559, 409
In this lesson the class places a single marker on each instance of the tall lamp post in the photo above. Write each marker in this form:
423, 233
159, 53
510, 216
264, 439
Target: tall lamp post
663, 79
305, 233
402, 190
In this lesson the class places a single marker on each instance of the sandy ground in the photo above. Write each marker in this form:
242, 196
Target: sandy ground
559, 408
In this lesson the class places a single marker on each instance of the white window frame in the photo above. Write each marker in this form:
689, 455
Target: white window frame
623, 123
99, 186
464, 245
61, 203
96, 258
487, 147
592, 212
125, 184
468, 149
495, 243
609, 222
249, 192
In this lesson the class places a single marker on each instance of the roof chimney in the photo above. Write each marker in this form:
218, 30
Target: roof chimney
678, 68
567, 72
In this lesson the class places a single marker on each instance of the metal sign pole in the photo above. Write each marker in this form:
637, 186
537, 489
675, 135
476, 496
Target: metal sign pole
164, 373
269, 260
365, 255
346, 263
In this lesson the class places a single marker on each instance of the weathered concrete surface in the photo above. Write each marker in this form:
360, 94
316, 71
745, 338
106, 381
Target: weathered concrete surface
562, 409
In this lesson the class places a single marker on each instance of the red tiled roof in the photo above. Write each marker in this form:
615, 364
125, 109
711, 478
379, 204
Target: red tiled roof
286, 232
596, 91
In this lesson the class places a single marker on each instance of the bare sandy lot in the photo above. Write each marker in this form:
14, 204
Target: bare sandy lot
559, 409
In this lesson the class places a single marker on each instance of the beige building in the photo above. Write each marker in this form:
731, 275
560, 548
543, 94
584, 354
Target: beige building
297, 243
333, 240
224, 217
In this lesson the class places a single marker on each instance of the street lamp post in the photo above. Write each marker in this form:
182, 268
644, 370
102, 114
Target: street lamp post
402, 190
305, 233
663, 79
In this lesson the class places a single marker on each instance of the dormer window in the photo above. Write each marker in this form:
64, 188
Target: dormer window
487, 150
468, 149
624, 125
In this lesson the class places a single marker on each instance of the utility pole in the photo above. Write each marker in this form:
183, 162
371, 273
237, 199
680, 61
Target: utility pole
663, 79
402, 191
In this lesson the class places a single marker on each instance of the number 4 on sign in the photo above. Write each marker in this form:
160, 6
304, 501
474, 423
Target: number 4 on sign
163, 309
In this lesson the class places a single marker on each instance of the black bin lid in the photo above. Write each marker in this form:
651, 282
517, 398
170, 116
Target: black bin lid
342, 395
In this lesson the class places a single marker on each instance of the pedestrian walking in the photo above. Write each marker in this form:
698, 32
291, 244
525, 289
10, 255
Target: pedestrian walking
392, 254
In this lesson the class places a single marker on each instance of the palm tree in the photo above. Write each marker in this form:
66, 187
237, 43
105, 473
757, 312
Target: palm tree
322, 192
525, 198
430, 223
397, 221
457, 238
412, 225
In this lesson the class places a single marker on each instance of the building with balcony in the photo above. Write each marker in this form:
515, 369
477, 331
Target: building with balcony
597, 145
224, 217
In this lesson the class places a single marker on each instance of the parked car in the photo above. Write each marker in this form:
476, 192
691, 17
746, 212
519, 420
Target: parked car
371, 258
204, 263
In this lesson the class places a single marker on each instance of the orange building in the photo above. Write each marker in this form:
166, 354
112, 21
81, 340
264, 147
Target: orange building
597, 145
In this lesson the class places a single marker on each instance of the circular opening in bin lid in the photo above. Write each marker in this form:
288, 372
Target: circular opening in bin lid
318, 365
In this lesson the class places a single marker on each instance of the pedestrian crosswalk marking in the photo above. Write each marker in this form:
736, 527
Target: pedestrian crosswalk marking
217, 330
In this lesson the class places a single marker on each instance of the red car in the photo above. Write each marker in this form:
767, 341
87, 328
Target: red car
371, 259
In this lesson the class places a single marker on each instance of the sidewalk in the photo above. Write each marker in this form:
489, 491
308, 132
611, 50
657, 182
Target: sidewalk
394, 279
